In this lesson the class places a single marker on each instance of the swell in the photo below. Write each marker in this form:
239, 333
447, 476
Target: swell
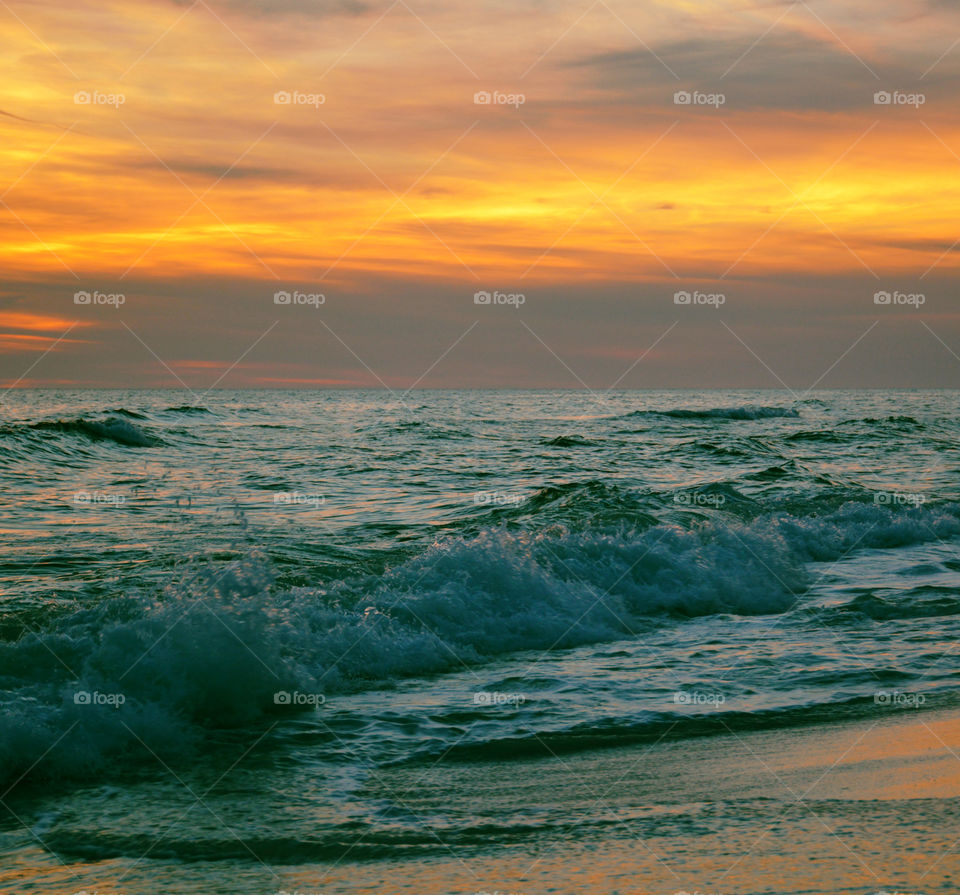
748, 412
188, 408
849, 430
928, 601
114, 429
568, 441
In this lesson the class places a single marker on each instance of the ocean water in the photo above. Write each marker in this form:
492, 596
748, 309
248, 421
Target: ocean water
304, 641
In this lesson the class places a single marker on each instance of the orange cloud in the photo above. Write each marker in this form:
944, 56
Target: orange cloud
36, 322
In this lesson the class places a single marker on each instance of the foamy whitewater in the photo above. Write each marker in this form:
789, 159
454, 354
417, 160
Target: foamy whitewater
320, 588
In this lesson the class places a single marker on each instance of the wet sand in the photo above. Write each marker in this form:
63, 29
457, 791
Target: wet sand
859, 807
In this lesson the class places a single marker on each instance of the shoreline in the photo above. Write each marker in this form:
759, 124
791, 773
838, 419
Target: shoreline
861, 806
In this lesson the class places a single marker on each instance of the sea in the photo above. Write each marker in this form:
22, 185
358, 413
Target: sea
346, 641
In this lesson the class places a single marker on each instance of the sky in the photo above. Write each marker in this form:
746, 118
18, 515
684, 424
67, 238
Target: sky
171, 171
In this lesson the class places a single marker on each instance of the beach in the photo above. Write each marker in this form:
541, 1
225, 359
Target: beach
844, 807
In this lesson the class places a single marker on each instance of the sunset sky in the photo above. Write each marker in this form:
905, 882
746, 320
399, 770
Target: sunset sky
186, 187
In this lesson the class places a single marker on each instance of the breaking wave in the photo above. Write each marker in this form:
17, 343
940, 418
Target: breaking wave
214, 649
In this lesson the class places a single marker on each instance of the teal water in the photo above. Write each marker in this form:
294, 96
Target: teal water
335, 585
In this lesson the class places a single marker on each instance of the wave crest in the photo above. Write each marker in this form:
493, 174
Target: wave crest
214, 651
749, 412
115, 429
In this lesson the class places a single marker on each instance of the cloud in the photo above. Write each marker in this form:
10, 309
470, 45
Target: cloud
304, 8
223, 170
34, 322
17, 117
792, 71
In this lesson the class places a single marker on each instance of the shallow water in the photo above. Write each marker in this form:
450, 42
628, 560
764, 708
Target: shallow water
224, 622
